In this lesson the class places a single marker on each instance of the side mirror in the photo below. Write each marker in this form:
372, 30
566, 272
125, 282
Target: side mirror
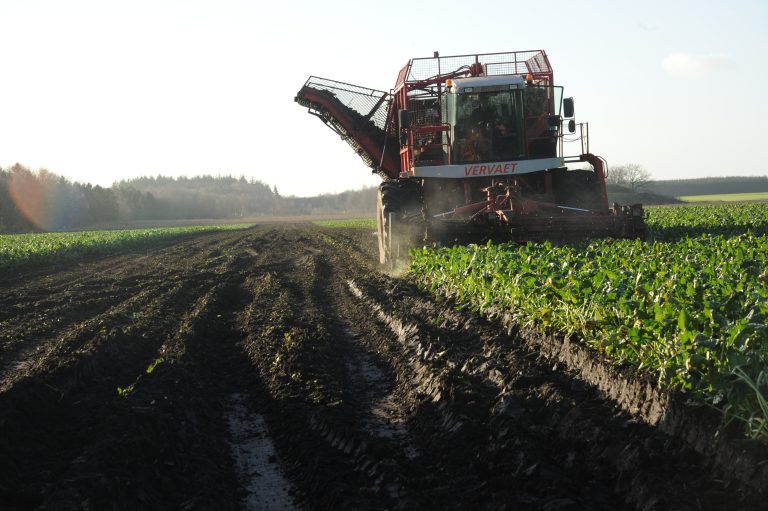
571, 126
404, 118
567, 107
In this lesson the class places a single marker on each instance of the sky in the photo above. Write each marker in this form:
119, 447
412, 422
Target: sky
99, 91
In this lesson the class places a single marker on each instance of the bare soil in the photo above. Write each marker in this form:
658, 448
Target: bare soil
278, 368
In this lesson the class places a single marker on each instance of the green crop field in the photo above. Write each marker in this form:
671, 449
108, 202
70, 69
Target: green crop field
362, 223
676, 222
690, 308
726, 197
24, 249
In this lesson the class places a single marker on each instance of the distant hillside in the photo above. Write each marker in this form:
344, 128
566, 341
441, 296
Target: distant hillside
624, 195
231, 197
709, 185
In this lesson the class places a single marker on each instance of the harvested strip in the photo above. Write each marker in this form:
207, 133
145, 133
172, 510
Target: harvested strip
256, 460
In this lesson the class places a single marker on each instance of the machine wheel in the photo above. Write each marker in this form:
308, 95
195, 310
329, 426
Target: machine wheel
381, 224
400, 219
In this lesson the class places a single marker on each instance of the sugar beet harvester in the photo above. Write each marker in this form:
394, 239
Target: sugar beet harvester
469, 148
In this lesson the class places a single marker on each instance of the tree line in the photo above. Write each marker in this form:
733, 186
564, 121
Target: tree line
711, 185
42, 200
637, 178
632, 175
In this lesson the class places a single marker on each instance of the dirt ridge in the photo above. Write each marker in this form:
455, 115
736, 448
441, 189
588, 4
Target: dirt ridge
643, 491
741, 460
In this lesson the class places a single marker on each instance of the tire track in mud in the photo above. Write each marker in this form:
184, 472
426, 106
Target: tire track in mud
374, 396
367, 386
255, 458
297, 364
160, 421
455, 414
430, 463
448, 410
312, 347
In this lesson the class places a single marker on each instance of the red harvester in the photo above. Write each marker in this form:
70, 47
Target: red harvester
470, 147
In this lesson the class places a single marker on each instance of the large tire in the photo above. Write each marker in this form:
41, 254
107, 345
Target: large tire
400, 219
381, 224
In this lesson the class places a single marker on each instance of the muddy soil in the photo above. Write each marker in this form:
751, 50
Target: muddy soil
278, 368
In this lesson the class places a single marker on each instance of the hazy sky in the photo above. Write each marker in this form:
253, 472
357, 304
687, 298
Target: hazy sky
102, 90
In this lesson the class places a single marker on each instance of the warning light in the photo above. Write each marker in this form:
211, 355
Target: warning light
529, 78
449, 84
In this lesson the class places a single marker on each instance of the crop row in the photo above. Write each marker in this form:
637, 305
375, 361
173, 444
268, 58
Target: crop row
669, 223
25, 249
693, 313
352, 223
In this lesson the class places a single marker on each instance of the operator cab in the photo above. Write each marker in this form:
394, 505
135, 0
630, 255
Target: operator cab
501, 118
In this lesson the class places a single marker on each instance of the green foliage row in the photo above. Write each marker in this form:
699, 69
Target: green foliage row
693, 312
668, 223
18, 250
355, 223
726, 197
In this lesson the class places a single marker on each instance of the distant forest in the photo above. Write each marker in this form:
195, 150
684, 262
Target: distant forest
710, 185
41, 200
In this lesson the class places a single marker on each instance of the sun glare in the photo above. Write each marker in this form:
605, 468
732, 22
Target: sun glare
31, 198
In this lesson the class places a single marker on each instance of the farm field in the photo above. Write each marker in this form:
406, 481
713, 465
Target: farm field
726, 197
361, 223
277, 368
25, 249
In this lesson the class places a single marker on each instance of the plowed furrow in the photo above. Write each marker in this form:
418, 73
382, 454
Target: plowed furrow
46, 344
118, 325
140, 442
96, 273
79, 375
22, 333
304, 352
